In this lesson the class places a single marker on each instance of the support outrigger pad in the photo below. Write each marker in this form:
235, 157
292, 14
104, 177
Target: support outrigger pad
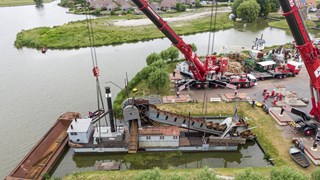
314, 149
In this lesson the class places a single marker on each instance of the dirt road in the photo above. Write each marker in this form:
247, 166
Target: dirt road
185, 17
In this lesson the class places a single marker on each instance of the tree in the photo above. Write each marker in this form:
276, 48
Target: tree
275, 5
153, 57
286, 173
180, 7
39, 3
159, 64
197, 4
235, 6
265, 6
158, 79
248, 10
173, 53
194, 47
165, 55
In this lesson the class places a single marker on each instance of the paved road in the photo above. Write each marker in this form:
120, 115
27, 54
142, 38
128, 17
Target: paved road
298, 84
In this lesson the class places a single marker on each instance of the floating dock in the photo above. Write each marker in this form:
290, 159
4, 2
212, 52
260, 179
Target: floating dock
44, 155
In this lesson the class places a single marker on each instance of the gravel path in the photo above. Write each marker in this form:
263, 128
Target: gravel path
185, 17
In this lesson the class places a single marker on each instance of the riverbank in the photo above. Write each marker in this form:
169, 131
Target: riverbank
106, 32
5, 3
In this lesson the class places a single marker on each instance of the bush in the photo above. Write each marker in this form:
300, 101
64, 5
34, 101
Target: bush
159, 64
206, 174
315, 175
286, 173
153, 174
180, 7
249, 174
158, 79
153, 57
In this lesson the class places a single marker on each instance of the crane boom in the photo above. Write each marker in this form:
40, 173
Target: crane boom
309, 53
198, 68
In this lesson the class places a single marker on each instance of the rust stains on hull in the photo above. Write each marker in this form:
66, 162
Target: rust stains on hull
43, 156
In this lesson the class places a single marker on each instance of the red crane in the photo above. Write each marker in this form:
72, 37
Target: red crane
309, 54
308, 51
203, 72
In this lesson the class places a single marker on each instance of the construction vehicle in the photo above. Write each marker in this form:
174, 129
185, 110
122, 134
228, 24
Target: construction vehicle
204, 73
309, 54
303, 124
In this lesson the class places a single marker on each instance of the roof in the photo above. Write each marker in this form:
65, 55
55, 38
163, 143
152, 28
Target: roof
79, 125
162, 130
266, 63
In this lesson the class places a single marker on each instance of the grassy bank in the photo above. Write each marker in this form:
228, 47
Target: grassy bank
282, 24
4, 3
75, 34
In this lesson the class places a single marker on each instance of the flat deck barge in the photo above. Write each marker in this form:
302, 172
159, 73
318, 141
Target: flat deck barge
44, 155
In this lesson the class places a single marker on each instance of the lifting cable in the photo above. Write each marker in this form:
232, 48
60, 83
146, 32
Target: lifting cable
212, 30
94, 59
210, 44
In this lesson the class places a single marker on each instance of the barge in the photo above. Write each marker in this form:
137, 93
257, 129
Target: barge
45, 154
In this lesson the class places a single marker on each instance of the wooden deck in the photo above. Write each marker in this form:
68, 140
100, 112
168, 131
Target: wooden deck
175, 99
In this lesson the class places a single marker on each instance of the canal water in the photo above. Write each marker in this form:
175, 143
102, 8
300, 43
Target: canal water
36, 88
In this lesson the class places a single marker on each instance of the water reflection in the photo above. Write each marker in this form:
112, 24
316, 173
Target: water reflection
247, 154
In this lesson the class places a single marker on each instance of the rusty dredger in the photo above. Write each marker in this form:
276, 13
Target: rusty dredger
147, 128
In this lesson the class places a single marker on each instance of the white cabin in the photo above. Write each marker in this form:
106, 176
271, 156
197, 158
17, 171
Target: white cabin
163, 136
80, 130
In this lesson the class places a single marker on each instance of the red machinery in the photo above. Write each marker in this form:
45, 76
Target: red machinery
309, 53
202, 72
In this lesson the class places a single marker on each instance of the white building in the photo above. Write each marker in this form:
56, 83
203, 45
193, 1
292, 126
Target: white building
163, 136
80, 130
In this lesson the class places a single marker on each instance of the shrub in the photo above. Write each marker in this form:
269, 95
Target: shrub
153, 57
153, 174
286, 173
315, 175
206, 174
159, 64
249, 174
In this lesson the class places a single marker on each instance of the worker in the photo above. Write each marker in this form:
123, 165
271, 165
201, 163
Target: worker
253, 101
178, 94
264, 91
272, 93
235, 92
280, 96
275, 101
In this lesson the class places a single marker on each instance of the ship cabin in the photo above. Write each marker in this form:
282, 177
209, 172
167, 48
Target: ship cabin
155, 137
104, 134
80, 130
265, 66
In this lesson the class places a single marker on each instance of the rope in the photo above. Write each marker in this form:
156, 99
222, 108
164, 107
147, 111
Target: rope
94, 62
212, 30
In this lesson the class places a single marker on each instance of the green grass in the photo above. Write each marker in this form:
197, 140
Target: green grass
75, 34
19, 2
282, 24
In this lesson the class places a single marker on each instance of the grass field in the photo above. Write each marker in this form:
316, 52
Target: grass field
75, 34
18, 2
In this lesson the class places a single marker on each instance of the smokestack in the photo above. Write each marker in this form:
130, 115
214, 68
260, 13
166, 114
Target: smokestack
109, 101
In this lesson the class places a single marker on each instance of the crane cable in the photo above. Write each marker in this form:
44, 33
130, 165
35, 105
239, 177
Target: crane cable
210, 44
95, 67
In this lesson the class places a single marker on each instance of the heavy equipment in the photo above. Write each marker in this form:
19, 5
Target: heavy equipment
309, 54
203, 73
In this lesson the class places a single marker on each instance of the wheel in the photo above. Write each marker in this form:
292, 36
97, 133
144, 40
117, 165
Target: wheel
307, 131
239, 86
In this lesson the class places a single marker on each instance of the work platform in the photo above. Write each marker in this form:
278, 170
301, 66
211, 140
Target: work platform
176, 99
314, 156
281, 120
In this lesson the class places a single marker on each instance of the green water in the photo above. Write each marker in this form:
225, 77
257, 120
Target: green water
248, 155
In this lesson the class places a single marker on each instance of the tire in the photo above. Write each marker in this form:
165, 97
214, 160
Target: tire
307, 131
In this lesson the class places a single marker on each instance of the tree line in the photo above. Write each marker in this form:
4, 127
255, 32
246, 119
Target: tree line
250, 10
